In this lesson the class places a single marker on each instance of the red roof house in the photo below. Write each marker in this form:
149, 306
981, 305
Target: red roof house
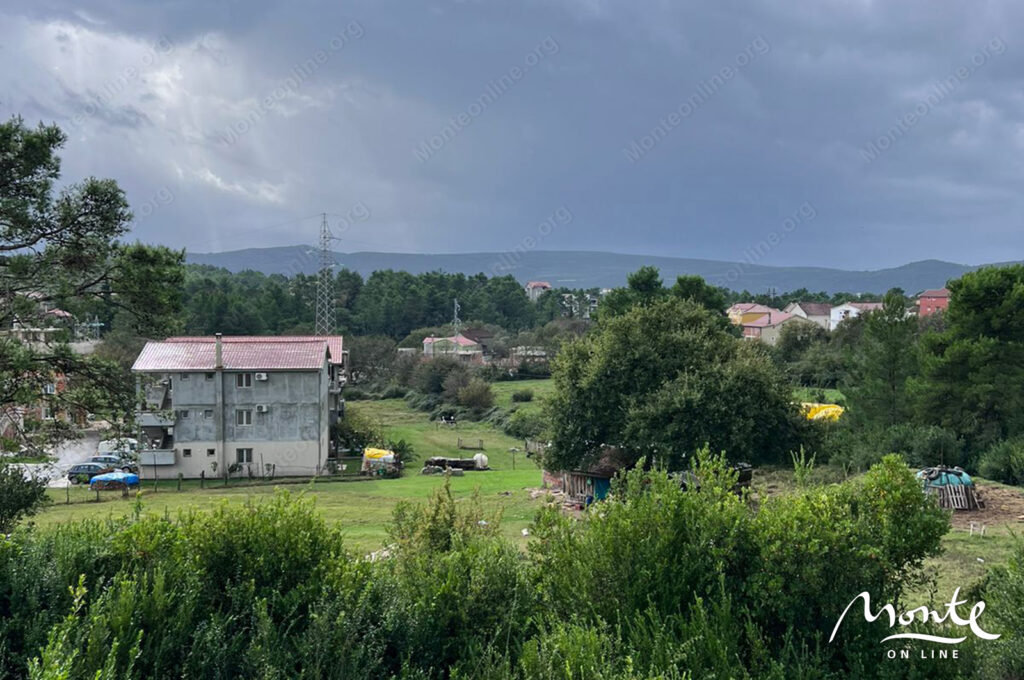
932, 301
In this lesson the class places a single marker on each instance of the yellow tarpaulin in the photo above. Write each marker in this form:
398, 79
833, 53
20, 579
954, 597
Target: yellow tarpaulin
822, 411
377, 453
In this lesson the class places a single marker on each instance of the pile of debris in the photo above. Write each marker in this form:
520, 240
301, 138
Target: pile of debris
439, 465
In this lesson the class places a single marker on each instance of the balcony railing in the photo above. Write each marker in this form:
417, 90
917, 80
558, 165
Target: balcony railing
156, 457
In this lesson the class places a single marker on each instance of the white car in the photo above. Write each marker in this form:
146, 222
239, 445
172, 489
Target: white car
115, 461
116, 445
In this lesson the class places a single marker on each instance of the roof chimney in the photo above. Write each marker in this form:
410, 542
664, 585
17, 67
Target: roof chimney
219, 364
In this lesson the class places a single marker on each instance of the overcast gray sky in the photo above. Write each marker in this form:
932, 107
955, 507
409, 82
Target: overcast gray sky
886, 132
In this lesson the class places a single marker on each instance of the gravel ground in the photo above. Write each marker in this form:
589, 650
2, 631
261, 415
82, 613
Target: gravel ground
66, 455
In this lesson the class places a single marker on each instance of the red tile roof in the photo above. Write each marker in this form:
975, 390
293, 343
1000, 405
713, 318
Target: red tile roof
866, 306
334, 342
538, 284
249, 353
459, 339
773, 318
750, 307
935, 293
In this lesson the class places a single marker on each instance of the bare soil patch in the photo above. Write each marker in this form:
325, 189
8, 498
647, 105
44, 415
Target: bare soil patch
1004, 508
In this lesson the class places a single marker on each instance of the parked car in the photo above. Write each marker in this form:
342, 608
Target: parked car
119, 462
87, 471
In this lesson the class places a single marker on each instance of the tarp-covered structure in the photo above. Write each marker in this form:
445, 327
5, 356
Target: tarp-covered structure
953, 487
113, 481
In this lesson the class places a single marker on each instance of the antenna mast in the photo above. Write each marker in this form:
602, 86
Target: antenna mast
456, 321
325, 283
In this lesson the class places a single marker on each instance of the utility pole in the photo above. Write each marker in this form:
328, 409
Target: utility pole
325, 283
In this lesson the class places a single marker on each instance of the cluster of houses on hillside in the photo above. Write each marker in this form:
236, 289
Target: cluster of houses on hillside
477, 346
760, 322
43, 324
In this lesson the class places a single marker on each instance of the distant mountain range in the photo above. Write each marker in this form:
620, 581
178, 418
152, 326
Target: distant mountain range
586, 269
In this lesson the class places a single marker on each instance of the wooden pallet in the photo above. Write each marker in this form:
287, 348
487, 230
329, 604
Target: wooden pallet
958, 497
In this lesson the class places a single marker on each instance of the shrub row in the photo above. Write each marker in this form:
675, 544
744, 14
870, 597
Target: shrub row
655, 582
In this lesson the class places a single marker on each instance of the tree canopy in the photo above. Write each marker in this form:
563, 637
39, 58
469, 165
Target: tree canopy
662, 380
60, 250
973, 370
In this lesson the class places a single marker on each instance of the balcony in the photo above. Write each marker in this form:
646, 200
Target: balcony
156, 457
155, 419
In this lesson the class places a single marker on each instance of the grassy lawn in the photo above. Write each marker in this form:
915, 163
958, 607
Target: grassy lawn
503, 393
964, 560
363, 508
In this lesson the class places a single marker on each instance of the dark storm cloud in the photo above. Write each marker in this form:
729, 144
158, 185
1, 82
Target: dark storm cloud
669, 129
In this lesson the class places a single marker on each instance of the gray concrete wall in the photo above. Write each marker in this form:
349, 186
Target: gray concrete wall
296, 402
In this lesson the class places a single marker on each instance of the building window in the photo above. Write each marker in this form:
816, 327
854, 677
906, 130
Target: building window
208, 413
184, 413
243, 380
243, 455
243, 417
211, 452
208, 376
183, 376
186, 453
50, 388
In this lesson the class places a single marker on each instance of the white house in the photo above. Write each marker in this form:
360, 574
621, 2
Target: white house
818, 312
850, 310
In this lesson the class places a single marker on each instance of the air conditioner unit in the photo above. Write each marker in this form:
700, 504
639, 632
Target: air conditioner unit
261, 376
262, 408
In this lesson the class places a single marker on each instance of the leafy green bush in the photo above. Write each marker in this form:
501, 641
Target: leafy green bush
453, 383
857, 448
525, 424
477, 395
355, 394
522, 395
1004, 462
19, 496
394, 392
428, 376
355, 431
654, 580
1003, 592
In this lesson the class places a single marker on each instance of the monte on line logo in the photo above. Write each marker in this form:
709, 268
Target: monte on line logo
922, 615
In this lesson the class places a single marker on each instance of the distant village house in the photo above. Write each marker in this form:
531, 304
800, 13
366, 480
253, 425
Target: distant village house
818, 312
534, 289
932, 301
